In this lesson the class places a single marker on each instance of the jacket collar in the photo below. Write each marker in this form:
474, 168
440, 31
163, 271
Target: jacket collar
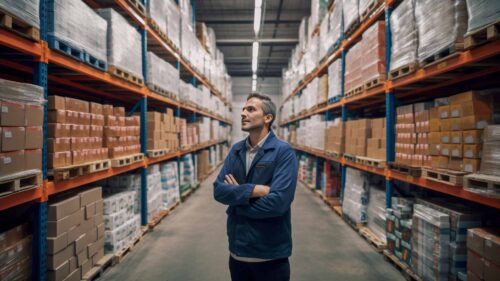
268, 144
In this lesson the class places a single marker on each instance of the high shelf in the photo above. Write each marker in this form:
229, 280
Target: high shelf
460, 71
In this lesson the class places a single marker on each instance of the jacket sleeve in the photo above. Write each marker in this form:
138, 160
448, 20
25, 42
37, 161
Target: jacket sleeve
282, 190
230, 194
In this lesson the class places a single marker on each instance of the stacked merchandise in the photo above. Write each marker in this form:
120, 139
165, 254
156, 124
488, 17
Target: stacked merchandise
204, 129
310, 95
337, 23
353, 72
202, 34
162, 130
318, 11
169, 183
440, 26
376, 143
203, 163
217, 131
325, 41
330, 30
335, 80
404, 37
399, 228
355, 199
335, 137
483, 248
15, 253
311, 57
373, 49
21, 131
376, 212
350, 14
124, 43
303, 35
482, 13
303, 164
157, 14
121, 134
75, 235
75, 23
322, 89
315, 125
27, 10
75, 132
120, 221
126, 183
155, 194
192, 130
162, 76
330, 180
356, 134
187, 172
173, 22
182, 128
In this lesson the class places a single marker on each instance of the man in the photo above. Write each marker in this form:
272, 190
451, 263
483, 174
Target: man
258, 183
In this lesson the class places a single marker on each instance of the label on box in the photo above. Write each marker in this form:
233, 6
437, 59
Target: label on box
7, 160
5, 109
8, 134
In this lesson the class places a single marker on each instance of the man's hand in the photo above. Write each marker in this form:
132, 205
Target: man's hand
260, 191
229, 179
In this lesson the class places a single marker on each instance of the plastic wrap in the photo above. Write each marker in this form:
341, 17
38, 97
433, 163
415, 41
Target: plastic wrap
77, 24
334, 79
124, 43
440, 25
154, 189
173, 23
404, 38
354, 204
325, 41
27, 10
157, 11
21, 92
373, 49
170, 183
336, 22
303, 28
353, 72
363, 5
318, 10
162, 74
376, 211
490, 163
482, 13
351, 13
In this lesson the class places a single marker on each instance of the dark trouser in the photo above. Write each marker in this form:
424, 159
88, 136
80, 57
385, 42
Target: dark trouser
275, 270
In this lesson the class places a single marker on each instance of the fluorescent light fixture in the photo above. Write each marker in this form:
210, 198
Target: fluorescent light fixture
254, 76
254, 65
254, 85
255, 49
256, 20
258, 3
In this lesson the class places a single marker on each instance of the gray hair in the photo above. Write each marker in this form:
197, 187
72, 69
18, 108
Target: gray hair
268, 106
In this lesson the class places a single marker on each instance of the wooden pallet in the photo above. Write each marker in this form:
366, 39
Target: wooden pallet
405, 169
185, 195
152, 23
333, 154
137, 6
442, 54
332, 202
13, 184
372, 238
375, 82
483, 184
98, 270
121, 255
355, 91
155, 153
126, 160
95, 62
73, 171
125, 75
402, 267
355, 225
449, 177
350, 157
377, 163
403, 71
334, 99
352, 28
163, 214
338, 210
483, 35
18, 26
162, 92
370, 9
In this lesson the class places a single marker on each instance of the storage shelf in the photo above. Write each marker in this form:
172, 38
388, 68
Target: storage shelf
456, 191
20, 198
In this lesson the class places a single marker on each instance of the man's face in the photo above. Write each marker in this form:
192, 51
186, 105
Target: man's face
252, 116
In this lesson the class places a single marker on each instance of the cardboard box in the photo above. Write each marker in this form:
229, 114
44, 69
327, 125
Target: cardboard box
59, 159
12, 114
473, 150
468, 96
491, 271
446, 124
445, 137
475, 264
456, 137
74, 276
34, 115
56, 116
95, 108
472, 108
471, 165
57, 102
33, 159
56, 228
474, 122
13, 138
59, 130
435, 125
56, 260
90, 196
119, 111
444, 111
34, 138
13, 235
95, 247
63, 207
56, 244
97, 120
473, 136
58, 145
455, 164
456, 150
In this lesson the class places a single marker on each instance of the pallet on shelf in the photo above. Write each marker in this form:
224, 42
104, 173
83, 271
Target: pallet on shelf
126, 75
66, 48
405, 169
442, 54
73, 171
18, 26
403, 71
152, 23
16, 183
375, 82
374, 5
350, 157
334, 154
356, 91
126, 160
483, 35
338, 210
121, 255
449, 177
483, 183
137, 6
377, 163
155, 153
355, 225
161, 215
334, 99
372, 238
162, 92
402, 267
95, 62
98, 270
185, 195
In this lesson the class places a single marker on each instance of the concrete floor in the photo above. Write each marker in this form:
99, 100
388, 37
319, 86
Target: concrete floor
191, 244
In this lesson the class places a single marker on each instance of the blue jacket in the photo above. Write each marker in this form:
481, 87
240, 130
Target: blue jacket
259, 227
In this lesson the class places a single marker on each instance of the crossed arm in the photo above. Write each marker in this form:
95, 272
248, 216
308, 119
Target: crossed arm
258, 191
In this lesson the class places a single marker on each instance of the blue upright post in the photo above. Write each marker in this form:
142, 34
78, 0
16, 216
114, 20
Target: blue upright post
144, 171
144, 49
388, 41
39, 260
343, 167
342, 76
316, 180
193, 5
390, 108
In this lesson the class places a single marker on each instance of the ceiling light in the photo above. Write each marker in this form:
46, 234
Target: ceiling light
254, 65
254, 85
254, 76
256, 20
255, 49
258, 3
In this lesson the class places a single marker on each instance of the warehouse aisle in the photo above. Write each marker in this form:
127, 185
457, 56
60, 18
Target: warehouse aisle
191, 244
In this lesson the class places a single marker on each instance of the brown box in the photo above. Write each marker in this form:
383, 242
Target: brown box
95, 247
473, 150
90, 196
471, 165
468, 96
445, 137
12, 114
13, 138
119, 111
34, 115
442, 162
456, 150
471, 108
60, 273
491, 271
72, 117
57, 102
56, 116
455, 164
76, 275
58, 145
59, 130
475, 264
63, 207
97, 120
473, 136
95, 108
13, 235
59, 159
475, 122
34, 138
446, 149
33, 159
444, 111
456, 137
56, 244
56, 260
455, 110
435, 125
446, 124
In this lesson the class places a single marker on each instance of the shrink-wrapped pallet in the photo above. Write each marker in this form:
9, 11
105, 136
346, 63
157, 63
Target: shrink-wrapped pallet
376, 211
351, 13
169, 183
318, 10
27, 10
162, 74
337, 22
404, 38
490, 163
373, 49
364, 4
354, 204
482, 13
353, 68
77, 24
173, 23
335, 79
157, 11
325, 40
440, 25
124, 43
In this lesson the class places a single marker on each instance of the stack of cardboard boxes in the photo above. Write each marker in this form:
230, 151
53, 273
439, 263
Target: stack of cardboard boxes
162, 130
357, 133
15, 253
21, 120
376, 144
335, 137
483, 254
75, 235
203, 163
121, 134
373, 50
353, 71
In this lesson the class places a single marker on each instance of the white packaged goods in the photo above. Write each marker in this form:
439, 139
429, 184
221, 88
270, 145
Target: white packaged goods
187, 170
121, 237
155, 204
27, 10
163, 74
318, 10
364, 4
404, 35
157, 11
440, 25
77, 24
376, 207
336, 22
334, 79
303, 29
354, 204
482, 13
173, 23
315, 125
124, 43
351, 13
325, 41
169, 184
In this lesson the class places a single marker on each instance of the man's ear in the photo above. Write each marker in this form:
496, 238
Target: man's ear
268, 118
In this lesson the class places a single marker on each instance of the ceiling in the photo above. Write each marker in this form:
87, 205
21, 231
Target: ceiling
232, 21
